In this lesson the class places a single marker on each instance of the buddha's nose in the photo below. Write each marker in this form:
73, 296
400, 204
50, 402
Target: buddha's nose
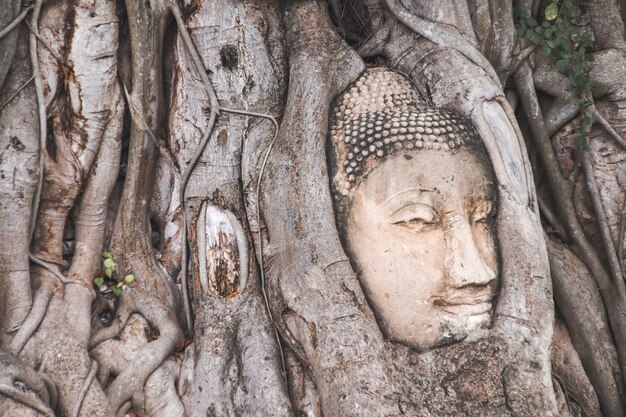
464, 263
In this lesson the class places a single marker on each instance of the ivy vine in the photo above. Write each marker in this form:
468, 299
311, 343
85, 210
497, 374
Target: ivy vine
568, 45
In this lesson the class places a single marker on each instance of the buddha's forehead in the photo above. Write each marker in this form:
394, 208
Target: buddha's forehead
447, 178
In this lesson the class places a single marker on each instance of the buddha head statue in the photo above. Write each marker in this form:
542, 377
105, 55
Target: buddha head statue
415, 201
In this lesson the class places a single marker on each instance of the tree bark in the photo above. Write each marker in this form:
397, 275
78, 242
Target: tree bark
186, 144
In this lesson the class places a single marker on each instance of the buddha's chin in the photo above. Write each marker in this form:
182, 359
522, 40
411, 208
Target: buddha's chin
448, 328
456, 327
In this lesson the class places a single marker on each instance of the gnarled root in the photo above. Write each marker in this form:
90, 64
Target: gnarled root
160, 397
21, 384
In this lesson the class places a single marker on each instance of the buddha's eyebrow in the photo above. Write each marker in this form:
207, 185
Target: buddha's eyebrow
405, 191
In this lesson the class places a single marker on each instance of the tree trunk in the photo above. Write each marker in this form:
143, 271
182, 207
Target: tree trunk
172, 241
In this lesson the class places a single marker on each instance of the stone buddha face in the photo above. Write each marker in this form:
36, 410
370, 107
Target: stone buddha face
419, 231
416, 207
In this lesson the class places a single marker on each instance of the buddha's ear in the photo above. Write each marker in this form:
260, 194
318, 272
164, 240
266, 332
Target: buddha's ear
508, 156
525, 304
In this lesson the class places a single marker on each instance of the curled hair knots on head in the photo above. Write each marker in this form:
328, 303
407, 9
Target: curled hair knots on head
381, 113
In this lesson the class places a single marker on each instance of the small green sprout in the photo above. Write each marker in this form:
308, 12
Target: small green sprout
109, 267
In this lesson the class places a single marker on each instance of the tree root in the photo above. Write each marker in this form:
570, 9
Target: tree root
520, 58
613, 291
41, 110
95, 130
46, 45
504, 144
442, 35
149, 358
158, 396
375, 45
34, 318
21, 383
607, 240
214, 106
40, 305
588, 324
124, 310
153, 292
260, 257
597, 117
15, 21
53, 394
18, 91
550, 217
564, 113
570, 109
560, 117
622, 235
19, 396
134, 375
321, 66
83, 391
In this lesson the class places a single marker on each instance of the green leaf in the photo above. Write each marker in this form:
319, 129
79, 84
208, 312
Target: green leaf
580, 80
109, 263
107, 255
117, 291
534, 37
108, 272
531, 22
98, 281
579, 70
581, 141
567, 46
571, 8
552, 11
562, 64
586, 39
129, 278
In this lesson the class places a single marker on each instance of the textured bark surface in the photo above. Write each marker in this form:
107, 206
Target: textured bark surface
185, 142
234, 341
19, 173
314, 295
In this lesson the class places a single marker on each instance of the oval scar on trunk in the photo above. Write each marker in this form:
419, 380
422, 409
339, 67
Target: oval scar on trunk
223, 252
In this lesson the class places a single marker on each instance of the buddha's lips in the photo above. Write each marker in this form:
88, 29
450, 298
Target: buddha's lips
467, 309
465, 305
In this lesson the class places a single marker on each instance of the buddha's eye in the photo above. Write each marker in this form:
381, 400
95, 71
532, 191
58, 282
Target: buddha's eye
483, 211
420, 217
